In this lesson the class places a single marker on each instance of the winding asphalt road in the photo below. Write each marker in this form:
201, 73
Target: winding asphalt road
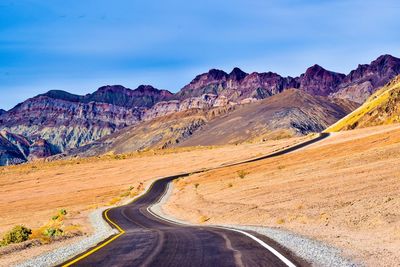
147, 240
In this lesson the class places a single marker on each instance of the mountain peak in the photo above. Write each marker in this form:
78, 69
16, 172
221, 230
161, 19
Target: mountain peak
386, 60
150, 90
319, 81
112, 88
145, 87
62, 95
314, 69
386, 57
237, 74
217, 74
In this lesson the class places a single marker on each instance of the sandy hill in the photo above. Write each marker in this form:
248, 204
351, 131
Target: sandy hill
381, 108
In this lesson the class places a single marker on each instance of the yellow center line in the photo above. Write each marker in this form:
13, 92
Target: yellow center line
121, 232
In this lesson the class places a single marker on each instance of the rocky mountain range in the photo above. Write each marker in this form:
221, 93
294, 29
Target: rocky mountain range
291, 113
67, 121
357, 86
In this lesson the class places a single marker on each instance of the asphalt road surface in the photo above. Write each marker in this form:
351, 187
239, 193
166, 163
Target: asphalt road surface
147, 240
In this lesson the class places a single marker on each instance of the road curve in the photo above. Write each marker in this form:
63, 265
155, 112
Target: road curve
147, 240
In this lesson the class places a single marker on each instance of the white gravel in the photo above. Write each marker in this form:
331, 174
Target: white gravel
314, 252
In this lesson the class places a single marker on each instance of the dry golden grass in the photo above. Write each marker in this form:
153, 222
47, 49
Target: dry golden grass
344, 190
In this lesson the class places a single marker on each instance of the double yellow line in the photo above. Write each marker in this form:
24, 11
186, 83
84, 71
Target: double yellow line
121, 231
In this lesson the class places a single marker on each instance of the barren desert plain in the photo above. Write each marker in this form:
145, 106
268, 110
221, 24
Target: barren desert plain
343, 191
33, 193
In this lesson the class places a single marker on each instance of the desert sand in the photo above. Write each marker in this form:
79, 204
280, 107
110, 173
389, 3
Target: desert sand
32, 193
344, 190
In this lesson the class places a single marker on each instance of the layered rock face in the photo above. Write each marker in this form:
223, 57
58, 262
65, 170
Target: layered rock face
66, 120
293, 112
15, 149
205, 101
318, 81
237, 85
10, 154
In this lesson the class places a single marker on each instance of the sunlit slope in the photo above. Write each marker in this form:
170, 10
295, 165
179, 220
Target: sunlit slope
381, 108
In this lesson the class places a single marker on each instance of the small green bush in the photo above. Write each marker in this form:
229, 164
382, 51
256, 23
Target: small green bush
63, 211
50, 232
55, 217
18, 234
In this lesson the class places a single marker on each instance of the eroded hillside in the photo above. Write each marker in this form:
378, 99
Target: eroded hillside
381, 108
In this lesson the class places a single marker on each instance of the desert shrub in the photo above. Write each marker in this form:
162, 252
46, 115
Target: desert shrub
114, 201
196, 185
63, 211
120, 156
204, 218
280, 221
17, 234
55, 217
230, 185
242, 174
51, 232
125, 194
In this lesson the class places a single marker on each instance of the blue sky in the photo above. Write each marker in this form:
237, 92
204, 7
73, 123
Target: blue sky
80, 45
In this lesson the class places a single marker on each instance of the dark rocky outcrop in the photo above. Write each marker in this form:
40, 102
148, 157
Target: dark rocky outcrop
319, 81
